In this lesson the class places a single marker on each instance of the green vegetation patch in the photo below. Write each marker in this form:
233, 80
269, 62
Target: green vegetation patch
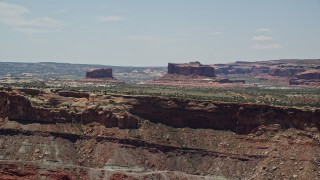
281, 97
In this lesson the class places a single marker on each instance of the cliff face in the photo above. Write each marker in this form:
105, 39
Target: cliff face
234, 69
258, 69
191, 69
285, 72
69, 136
237, 117
309, 75
99, 73
241, 118
295, 72
62, 110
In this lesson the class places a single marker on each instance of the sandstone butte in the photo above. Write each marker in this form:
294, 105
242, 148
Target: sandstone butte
77, 135
99, 73
192, 68
103, 75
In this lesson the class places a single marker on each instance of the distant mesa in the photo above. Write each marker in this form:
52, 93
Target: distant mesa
291, 71
308, 77
102, 75
192, 68
99, 73
193, 74
309, 74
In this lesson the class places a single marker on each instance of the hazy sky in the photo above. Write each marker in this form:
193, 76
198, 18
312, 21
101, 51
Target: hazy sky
155, 32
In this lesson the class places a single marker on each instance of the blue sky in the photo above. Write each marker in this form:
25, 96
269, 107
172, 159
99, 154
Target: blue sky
155, 32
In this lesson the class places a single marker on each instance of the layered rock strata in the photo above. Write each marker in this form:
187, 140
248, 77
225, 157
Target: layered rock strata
193, 68
123, 111
49, 136
309, 77
64, 107
241, 118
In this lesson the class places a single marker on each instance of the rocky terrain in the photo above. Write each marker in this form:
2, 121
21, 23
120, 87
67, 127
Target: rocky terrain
58, 134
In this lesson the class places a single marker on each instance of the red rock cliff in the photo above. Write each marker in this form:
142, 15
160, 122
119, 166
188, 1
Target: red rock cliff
310, 74
242, 118
61, 109
285, 72
191, 69
123, 112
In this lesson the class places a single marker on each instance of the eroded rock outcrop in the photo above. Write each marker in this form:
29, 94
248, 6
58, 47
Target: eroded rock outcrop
309, 75
123, 111
74, 94
193, 68
56, 108
99, 73
292, 71
237, 117
285, 71
234, 69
